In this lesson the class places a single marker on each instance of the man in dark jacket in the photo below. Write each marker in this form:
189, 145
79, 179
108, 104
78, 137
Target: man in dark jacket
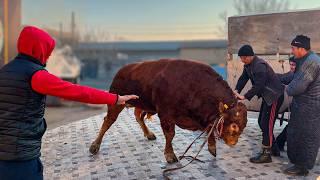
285, 79
303, 132
24, 84
265, 84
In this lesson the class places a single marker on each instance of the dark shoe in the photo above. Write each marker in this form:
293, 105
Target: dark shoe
262, 157
296, 171
275, 150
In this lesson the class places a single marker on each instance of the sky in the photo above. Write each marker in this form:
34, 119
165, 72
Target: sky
138, 20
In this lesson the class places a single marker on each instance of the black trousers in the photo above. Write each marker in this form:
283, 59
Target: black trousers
266, 120
282, 137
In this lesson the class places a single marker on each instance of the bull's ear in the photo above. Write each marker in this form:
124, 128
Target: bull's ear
221, 107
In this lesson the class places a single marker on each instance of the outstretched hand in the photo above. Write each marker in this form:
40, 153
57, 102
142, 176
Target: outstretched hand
238, 96
125, 98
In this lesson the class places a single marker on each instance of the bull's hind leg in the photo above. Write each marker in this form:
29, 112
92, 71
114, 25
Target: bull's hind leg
168, 128
113, 112
139, 114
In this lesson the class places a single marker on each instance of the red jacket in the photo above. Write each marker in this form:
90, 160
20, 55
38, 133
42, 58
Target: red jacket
39, 44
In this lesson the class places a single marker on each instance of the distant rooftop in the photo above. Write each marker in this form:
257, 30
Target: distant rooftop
153, 45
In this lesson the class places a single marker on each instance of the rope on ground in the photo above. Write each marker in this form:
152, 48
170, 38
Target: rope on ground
214, 126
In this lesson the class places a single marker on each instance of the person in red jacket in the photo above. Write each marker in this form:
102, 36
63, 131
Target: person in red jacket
24, 84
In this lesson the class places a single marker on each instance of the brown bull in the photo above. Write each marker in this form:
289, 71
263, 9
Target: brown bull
185, 93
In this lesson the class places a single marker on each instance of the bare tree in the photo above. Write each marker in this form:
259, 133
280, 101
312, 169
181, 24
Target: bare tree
243, 7
260, 6
223, 29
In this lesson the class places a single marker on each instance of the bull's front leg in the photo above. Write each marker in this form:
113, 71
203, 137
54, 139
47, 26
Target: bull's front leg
212, 145
168, 128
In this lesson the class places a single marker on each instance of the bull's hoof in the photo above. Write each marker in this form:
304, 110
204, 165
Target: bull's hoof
171, 158
151, 136
213, 150
94, 148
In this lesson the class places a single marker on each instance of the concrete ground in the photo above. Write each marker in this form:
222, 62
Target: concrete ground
71, 112
126, 154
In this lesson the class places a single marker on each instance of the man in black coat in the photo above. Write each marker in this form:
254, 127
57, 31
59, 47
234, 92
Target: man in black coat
266, 85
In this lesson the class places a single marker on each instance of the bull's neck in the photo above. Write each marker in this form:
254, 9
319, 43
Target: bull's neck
209, 110
221, 92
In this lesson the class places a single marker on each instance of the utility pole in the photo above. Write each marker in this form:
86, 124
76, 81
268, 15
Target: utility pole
73, 28
61, 32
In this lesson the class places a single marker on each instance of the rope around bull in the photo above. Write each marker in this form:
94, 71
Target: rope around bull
217, 126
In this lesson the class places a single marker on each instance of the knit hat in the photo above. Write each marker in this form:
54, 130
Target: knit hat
246, 50
301, 41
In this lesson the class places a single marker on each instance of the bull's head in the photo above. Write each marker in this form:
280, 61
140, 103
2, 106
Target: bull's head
235, 120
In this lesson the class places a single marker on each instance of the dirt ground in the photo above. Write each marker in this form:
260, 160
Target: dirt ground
61, 115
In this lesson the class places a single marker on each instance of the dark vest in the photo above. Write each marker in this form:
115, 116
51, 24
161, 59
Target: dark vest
21, 110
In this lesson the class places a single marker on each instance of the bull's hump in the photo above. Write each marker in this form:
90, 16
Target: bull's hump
163, 62
155, 68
